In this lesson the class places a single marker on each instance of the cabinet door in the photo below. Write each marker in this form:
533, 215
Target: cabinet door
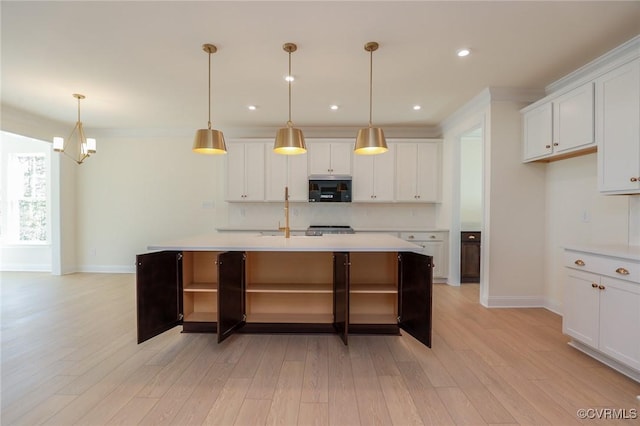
435, 249
469, 262
319, 158
415, 294
297, 178
276, 176
286, 170
363, 187
231, 292
341, 158
428, 172
618, 129
329, 158
538, 132
384, 174
158, 292
417, 171
235, 172
254, 171
573, 120
406, 171
620, 320
580, 317
341, 295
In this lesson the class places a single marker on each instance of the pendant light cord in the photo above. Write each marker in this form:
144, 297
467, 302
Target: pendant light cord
370, 86
78, 109
289, 123
209, 122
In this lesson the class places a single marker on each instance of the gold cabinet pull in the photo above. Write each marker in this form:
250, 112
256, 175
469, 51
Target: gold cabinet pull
579, 262
634, 179
622, 271
594, 285
547, 146
601, 287
472, 237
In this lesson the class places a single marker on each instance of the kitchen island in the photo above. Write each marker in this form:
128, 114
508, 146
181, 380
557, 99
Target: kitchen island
238, 282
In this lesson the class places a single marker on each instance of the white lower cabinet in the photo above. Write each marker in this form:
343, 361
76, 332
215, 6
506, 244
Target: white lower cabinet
434, 245
602, 309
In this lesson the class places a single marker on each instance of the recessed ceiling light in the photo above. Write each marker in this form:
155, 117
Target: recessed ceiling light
289, 78
417, 107
463, 52
334, 107
252, 107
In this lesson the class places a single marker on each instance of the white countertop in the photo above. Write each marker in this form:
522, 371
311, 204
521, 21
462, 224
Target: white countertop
230, 241
616, 250
356, 229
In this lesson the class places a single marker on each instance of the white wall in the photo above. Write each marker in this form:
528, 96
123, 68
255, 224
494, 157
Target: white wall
471, 182
577, 213
515, 215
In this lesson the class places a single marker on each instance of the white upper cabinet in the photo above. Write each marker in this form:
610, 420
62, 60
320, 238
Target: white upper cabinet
374, 177
329, 158
289, 171
418, 171
618, 129
538, 132
560, 126
245, 171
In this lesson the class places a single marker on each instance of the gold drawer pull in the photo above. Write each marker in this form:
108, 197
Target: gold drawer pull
622, 271
472, 237
601, 287
579, 262
594, 285
634, 179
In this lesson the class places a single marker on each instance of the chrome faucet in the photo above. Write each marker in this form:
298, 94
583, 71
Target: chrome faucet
286, 229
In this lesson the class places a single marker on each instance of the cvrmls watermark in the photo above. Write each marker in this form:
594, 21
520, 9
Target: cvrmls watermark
607, 413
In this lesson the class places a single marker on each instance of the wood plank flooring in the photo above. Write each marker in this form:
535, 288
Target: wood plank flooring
69, 357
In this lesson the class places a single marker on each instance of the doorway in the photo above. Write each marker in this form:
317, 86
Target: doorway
471, 202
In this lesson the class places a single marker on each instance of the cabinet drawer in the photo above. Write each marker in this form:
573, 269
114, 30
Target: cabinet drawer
610, 266
422, 236
470, 237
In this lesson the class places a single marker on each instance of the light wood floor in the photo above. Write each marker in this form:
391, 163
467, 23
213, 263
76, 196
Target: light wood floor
69, 356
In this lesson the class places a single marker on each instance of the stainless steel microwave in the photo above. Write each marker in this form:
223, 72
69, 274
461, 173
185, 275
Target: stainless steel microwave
329, 189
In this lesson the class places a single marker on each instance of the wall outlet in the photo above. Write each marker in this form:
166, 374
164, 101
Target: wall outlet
586, 216
92, 252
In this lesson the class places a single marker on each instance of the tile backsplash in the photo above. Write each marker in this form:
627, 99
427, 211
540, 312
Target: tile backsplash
363, 216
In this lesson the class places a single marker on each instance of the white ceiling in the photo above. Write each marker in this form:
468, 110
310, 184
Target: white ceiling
141, 65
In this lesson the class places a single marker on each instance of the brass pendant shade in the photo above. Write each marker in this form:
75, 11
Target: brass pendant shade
209, 141
370, 140
289, 140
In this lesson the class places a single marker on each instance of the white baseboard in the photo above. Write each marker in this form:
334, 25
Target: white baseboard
621, 368
516, 302
15, 267
108, 269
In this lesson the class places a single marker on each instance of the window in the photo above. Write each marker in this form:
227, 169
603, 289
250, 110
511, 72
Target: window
24, 199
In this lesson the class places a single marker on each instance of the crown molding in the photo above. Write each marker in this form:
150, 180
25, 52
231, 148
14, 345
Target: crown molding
620, 55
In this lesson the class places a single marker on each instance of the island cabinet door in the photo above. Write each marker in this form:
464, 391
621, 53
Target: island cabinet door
158, 292
231, 289
341, 295
415, 290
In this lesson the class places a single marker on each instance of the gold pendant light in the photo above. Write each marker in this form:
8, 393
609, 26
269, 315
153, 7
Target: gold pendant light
86, 146
371, 139
289, 140
209, 141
